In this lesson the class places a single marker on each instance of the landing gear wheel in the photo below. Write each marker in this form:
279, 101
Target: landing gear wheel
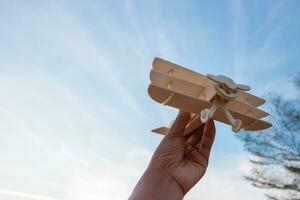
237, 126
205, 115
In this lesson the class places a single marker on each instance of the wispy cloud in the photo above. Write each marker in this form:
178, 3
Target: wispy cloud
226, 181
257, 49
98, 65
72, 72
23, 195
238, 46
70, 150
65, 34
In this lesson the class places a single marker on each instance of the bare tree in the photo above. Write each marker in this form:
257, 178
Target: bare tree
276, 152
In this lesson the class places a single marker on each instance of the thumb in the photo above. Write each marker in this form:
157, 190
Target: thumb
177, 128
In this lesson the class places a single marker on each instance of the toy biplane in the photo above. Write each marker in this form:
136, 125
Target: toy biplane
205, 97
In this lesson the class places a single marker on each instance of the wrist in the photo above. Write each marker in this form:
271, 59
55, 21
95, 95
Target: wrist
156, 183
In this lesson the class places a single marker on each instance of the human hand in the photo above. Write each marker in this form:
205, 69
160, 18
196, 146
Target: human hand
185, 158
178, 163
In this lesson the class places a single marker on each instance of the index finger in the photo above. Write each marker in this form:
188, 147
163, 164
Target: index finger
207, 138
177, 128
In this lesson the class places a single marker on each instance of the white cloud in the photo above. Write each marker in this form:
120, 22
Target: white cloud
69, 155
54, 144
238, 34
61, 145
283, 86
220, 182
59, 31
10, 195
252, 61
226, 181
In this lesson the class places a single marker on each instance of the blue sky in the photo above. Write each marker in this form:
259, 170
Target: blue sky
74, 109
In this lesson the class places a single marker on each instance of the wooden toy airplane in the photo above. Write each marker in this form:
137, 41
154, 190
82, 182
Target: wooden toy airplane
205, 97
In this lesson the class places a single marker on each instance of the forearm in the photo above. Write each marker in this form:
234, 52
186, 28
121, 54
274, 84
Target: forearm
156, 184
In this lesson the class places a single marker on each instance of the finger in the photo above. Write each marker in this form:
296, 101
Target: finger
189, 149
199, 158
196, 136
207, 138
177, 128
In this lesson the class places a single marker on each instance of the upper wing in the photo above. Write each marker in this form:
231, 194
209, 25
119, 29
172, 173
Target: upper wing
178, 84
178, 71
